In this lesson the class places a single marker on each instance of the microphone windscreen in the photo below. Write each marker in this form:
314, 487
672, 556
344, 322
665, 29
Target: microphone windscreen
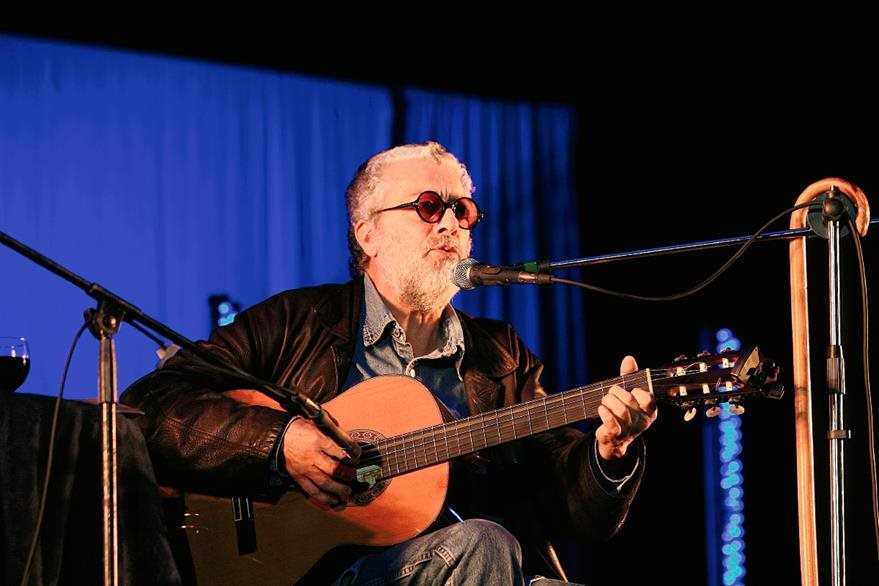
461, 274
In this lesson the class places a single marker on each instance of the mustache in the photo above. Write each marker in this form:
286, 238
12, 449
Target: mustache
444, 241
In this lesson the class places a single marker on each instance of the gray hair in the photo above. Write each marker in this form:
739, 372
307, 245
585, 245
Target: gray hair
367, 187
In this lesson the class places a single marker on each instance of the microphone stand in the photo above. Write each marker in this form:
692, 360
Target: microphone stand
836, 396
834, 208
104, 322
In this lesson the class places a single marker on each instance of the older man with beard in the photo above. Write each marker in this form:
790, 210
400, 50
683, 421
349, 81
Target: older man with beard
411, 217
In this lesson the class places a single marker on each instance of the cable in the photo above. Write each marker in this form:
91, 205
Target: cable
45, 490
700, 286
865, 348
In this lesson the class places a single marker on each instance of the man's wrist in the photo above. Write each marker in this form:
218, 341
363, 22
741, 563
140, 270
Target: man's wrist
278, 475
615, 473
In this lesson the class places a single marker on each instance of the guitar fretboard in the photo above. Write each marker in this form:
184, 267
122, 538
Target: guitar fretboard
440, 443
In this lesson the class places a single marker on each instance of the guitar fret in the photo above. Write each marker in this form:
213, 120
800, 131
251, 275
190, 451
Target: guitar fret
384, 457
400, 454
414, 453
425, 448
428, 438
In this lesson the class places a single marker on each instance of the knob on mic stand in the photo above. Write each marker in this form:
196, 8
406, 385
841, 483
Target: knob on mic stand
835, 207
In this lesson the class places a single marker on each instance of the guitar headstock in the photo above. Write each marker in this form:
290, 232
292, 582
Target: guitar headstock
714, 379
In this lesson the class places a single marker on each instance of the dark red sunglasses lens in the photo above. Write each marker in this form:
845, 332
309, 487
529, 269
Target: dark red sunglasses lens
466, 212
430, 207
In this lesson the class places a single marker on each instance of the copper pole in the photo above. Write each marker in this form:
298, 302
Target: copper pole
802, 381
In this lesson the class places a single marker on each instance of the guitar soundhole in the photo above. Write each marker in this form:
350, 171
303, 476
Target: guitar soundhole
364, 493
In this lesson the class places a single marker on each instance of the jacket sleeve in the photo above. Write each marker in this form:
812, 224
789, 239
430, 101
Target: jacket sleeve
200, 440
563, 478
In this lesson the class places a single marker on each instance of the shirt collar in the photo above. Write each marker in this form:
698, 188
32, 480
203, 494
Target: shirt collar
378, 317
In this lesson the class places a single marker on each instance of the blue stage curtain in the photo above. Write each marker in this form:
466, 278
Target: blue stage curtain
521, 158
166, 180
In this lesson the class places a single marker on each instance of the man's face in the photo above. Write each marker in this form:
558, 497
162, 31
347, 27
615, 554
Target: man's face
410, 256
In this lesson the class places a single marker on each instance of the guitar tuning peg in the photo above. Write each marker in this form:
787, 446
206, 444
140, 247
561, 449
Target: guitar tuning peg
712, 411
703, 353
736, 409
689, 414
775, 391
680, 358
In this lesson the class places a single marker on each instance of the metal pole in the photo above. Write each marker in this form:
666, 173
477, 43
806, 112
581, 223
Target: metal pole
837, 432
109, 473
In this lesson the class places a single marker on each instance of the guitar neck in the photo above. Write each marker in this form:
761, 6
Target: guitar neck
440, 443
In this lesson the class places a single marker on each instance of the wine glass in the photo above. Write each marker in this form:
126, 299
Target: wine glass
15, 362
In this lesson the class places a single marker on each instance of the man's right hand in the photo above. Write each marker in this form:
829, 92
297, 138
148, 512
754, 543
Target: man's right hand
318, 466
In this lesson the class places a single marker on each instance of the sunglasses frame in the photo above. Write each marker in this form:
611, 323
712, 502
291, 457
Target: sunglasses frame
446, 205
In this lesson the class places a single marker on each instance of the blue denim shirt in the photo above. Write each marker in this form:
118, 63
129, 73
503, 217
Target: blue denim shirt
382, 349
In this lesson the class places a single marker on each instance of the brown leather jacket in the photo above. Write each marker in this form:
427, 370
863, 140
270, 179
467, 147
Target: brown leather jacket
202, 441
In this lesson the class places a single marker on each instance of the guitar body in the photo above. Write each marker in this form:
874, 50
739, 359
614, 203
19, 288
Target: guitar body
293, 534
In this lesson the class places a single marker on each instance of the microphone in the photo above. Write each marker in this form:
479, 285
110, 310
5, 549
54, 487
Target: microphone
469, 274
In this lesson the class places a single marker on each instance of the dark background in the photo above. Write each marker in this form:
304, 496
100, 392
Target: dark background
675, 145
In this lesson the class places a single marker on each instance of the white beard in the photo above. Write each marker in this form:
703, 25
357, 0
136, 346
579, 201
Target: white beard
422, 279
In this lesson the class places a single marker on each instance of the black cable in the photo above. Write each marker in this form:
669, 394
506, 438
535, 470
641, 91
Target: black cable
865, 348
45, 490
161, 344
703, 284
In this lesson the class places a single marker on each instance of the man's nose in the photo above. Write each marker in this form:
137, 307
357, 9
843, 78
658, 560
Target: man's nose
448, 221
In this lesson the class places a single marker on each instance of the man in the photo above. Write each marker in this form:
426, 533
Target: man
411, 217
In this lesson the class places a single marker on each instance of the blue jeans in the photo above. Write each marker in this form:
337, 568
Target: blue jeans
471, 552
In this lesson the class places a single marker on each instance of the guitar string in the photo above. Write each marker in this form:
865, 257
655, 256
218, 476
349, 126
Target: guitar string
527, 406
462, 434
578, 400
430, 440
477, 422
457, 429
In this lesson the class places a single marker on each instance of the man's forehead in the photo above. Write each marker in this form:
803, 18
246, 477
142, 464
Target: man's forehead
425, 174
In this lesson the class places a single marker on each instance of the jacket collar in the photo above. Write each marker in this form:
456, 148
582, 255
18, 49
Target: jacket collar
485, 353
339, 310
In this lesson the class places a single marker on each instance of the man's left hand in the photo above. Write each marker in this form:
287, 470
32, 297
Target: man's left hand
624, 416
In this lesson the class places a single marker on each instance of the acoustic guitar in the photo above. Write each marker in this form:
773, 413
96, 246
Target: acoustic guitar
404, 466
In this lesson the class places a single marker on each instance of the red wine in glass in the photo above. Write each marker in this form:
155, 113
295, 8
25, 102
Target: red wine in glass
15, 363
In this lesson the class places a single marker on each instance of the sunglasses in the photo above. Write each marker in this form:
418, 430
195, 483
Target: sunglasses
431, 208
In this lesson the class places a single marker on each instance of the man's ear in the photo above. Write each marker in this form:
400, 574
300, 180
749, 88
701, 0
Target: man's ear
364, 231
